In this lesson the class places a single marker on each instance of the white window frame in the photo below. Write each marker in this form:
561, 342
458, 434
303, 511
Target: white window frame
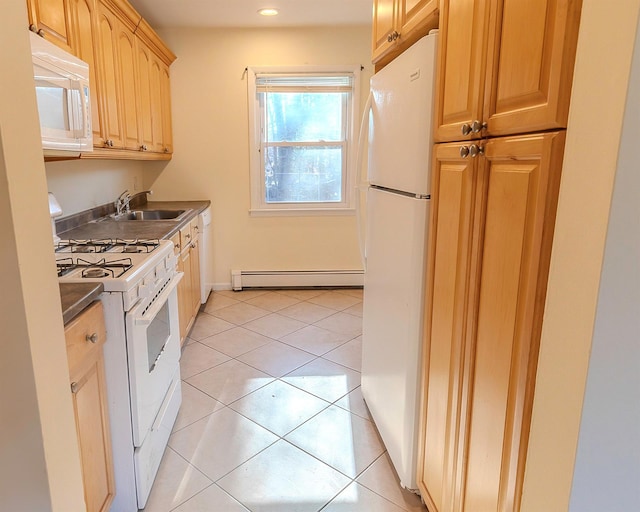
259, 206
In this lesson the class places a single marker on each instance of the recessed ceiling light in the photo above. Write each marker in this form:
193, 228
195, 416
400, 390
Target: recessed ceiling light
268, 11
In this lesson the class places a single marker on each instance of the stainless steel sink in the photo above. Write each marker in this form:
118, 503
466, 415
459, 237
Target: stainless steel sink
151, 215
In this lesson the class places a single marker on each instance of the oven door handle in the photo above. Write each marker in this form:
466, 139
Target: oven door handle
159, 302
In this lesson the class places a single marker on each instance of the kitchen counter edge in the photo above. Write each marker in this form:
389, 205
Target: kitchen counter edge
75, 297
160, 229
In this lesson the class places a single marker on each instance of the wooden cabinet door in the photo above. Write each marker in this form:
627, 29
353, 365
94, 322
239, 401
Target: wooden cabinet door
165, 96
195, 275
110, 93
156, 105
127, 76
414, 13
461, 68
50, 18
515, 215
450, 234
144, 94
89, 391
384, 24
185, 293
530, 65
83, 18
89, 400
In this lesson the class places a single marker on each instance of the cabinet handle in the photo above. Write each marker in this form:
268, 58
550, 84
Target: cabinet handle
187, 236
166, 149
464, 151
33, 28
92, 338
143, 147
41, 33
466, 129
477, 126
475, 150
389, 38
193, 245
74, 387
177, 246
108, 143
396, 35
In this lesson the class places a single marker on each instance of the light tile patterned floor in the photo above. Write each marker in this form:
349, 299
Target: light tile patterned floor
272, 416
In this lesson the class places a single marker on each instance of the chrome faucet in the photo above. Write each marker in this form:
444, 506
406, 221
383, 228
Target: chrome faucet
122, 203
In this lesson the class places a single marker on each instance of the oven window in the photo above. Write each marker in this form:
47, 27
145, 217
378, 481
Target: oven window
157, 335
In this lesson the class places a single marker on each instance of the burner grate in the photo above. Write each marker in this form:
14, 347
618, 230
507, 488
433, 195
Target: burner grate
103, 245
97, 270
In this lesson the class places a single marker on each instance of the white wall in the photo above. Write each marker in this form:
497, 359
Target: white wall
603, 60
79, 185
607, 473
211, 160
39, 459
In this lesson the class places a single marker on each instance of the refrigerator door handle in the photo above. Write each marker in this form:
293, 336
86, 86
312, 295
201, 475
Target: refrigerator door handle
362, 137
361, 186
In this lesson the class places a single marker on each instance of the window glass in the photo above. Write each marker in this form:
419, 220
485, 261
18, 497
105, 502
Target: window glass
302, 127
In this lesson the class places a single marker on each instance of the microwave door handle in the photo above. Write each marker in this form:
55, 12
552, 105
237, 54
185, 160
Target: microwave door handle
75, 92
72, 115
84, 124
86, 108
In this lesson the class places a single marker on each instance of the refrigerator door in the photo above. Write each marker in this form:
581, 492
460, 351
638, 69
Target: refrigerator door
392, 323
400, 123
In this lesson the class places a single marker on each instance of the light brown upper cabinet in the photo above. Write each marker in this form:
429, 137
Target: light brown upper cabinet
110, 92
165, 97
129, 73
83, 17
490, 245
155, 93
399, 23
144, 59
50, 19
505, 67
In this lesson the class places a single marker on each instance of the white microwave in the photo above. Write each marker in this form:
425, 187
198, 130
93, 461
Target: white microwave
64, 103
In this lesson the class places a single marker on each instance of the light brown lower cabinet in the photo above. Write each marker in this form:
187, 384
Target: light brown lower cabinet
186, 244
85, 336
491, 230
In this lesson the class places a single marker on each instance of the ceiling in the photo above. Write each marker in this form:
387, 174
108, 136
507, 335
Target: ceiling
243, 13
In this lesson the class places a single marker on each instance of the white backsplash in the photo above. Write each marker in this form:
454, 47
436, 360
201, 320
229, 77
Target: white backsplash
83, 184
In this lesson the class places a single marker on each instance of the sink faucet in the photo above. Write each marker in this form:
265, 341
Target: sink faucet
122, 203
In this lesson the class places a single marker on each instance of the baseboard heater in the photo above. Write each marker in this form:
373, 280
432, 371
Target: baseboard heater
241, 279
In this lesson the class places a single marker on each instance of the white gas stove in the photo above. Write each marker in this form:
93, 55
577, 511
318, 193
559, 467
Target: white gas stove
132, 267
142, 351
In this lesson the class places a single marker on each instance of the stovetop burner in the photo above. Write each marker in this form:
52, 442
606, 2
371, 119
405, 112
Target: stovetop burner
94, 273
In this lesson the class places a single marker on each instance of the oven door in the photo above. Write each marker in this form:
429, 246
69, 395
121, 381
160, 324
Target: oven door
153, 348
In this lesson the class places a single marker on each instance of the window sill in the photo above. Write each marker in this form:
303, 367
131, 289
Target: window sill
301, 212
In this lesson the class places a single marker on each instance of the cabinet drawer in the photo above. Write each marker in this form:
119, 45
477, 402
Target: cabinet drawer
85, 334
175, 240
185, 237
195, 228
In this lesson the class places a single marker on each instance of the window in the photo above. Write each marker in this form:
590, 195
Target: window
302, 139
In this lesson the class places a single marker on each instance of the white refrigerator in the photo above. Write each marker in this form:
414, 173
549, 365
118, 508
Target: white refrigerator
397, 188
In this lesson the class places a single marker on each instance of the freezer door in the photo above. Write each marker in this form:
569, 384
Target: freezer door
401, 120
392, 323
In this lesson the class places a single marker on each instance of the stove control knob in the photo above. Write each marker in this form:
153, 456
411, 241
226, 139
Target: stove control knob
161, 272
146, 285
